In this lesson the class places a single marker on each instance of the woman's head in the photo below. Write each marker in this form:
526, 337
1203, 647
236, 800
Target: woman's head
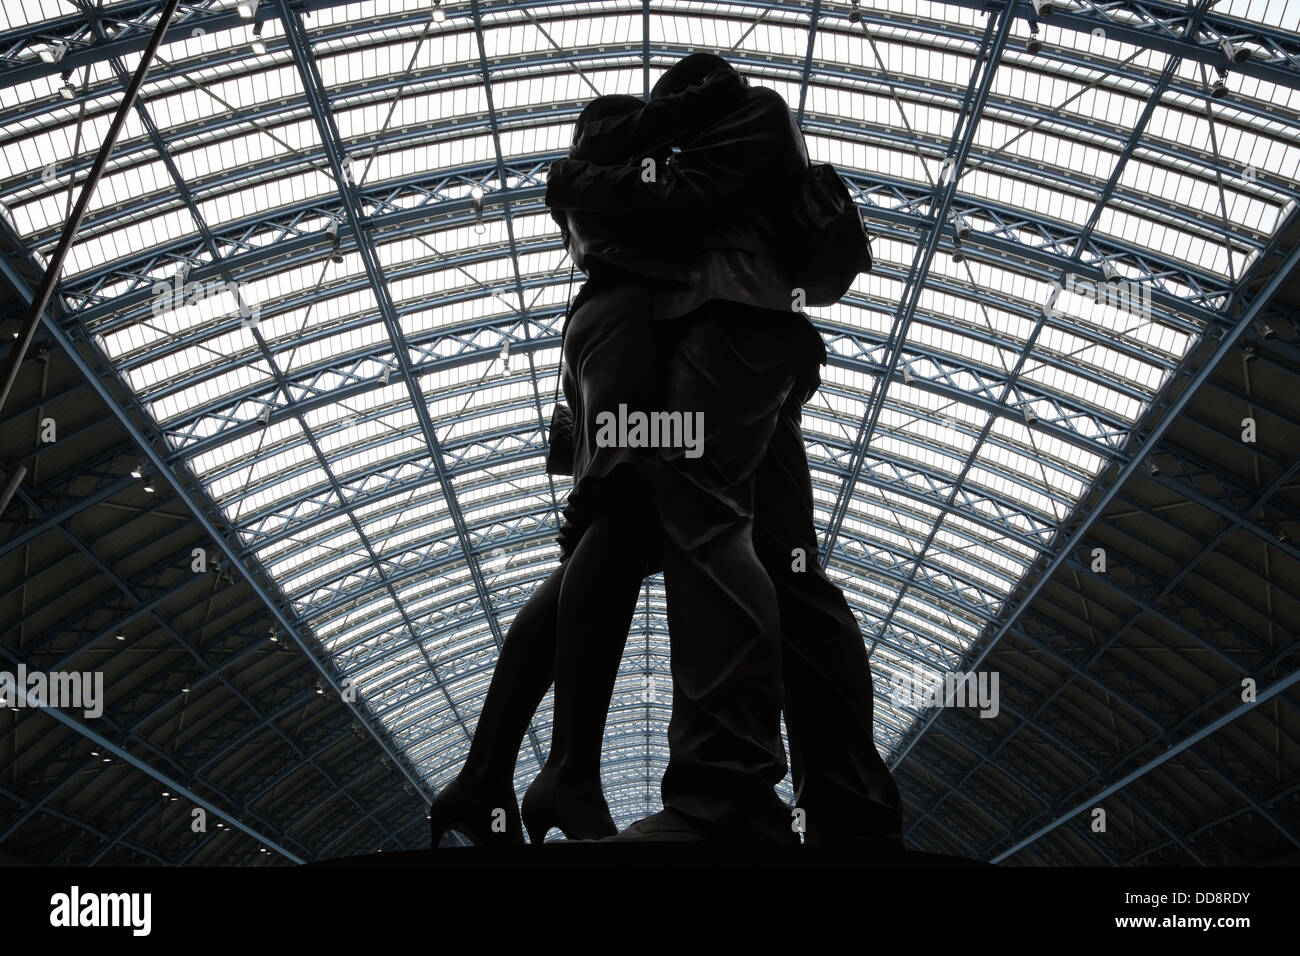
611, 104
689, 70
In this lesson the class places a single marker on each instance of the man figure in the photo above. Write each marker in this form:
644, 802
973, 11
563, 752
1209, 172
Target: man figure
742, 359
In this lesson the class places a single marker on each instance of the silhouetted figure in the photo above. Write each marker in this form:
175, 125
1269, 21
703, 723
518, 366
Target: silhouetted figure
613, 355
740, 355
614, 358
841, 783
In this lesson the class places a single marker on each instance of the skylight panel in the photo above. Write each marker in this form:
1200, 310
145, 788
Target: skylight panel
1015, 192
27, 12
52, 148
252, 150
267, 492
265, 197
298, 548
208, 391
1044, 148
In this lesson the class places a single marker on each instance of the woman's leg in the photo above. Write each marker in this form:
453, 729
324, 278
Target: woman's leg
524, 670
482, 798
617, 355
597, 600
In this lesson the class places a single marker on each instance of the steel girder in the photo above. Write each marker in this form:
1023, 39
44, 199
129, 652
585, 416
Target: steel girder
181, 485
135, 731
957, 152
977, 93
323, 117
1167, 727
1157, 24
859, 348
1149, 442
1066, 815
123, 289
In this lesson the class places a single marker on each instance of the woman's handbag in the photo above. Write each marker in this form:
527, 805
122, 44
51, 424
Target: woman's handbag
559, 459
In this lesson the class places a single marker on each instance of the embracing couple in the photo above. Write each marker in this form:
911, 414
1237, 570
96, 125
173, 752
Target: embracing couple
673, 210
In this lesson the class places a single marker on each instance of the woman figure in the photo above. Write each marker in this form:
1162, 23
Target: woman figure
614, 354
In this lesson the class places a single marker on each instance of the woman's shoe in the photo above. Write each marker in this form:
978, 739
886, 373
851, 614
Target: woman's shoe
581, 814
486, 820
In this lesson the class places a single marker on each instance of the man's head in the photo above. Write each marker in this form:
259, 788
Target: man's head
688, 71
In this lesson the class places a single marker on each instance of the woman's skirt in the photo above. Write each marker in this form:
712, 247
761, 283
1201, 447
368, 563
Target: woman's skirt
616, 359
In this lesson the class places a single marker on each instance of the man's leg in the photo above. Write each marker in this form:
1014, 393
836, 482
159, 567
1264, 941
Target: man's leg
734, 367
842, 785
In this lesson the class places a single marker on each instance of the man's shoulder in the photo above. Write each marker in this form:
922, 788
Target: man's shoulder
767, 108
768, 96
767, 100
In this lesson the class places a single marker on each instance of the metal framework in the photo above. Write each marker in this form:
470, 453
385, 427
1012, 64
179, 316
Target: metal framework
351, 392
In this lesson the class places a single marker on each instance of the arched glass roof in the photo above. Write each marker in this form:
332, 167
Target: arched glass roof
361, 368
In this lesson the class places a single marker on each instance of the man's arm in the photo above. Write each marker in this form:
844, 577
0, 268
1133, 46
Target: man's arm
746, 149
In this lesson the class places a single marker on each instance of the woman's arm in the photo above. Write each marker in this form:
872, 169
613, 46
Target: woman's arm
753, 148
664, 120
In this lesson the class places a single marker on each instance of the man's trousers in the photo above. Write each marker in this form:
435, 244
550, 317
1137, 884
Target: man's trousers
732, 368
841, 784
734, 585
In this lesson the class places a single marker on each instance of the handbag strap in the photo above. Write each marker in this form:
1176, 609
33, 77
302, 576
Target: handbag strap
559, 367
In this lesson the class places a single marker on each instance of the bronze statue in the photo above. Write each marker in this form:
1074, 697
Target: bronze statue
687, 310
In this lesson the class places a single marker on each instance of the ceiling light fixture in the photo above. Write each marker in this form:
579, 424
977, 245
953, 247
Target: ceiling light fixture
1235, 52
247, 8
332, 231
1034, 43
1219, 88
